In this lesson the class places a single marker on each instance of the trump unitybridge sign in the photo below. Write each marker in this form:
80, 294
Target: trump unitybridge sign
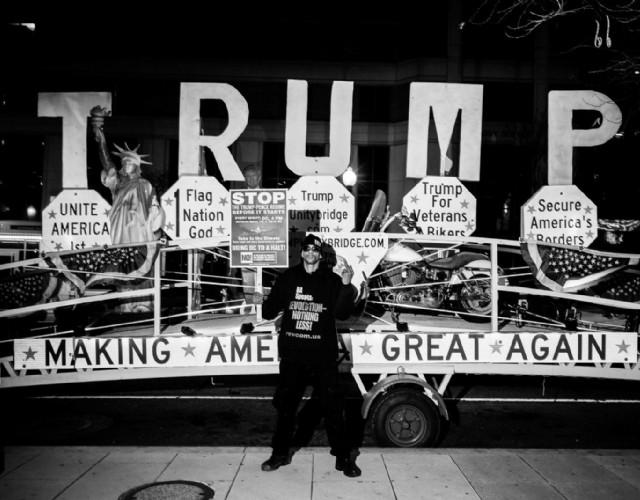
234, 350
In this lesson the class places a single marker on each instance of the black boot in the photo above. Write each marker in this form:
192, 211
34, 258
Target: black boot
348, 467
275, 462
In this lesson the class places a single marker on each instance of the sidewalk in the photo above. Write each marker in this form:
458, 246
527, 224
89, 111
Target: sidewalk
96, 473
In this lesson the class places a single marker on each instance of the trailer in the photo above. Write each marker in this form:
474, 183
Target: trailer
493, 317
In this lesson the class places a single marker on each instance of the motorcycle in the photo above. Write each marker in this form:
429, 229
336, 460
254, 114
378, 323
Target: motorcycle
406, 279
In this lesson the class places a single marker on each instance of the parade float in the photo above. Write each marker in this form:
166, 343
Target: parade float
434, 300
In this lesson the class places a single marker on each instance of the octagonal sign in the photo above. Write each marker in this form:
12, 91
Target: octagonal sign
320, 203
443, 206
560, 214
76, 219
197, 207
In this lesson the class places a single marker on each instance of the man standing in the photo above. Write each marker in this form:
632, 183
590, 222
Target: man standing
311, 298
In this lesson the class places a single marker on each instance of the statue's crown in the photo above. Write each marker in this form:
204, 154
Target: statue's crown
131, 153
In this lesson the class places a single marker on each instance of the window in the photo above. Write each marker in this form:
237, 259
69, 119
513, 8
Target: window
275, 173
21, 183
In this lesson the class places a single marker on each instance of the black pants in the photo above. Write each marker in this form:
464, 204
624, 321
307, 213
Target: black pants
293, 380
310, 415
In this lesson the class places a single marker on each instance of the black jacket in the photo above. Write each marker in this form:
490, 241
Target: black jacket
310, 304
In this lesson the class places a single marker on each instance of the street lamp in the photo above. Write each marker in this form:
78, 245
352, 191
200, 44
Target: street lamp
349, 178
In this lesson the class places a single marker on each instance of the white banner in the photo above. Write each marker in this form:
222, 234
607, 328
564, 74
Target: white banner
606, 347
148, 352
392, 348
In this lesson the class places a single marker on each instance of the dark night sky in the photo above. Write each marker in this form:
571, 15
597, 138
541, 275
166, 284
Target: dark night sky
230, 33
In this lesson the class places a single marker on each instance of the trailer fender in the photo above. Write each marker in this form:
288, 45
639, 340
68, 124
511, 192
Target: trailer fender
403, 380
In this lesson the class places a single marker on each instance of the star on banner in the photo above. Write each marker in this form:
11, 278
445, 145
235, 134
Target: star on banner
366, 348
344, 198
168, 201
223, 201
531, 209
189, 350
362, 258
52, 214
169, 226
623, 347
31, 354
464, 204
496, 346
292, 201
414, 199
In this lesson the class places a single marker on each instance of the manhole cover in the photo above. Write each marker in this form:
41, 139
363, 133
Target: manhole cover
169, 490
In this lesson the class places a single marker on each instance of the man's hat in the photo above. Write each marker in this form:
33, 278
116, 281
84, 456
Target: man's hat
312, 240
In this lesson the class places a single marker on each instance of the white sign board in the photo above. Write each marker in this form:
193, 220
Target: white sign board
320, 204
74, 220
197, 207
556, 347
560, 214
235, 351
141, 352
362, 251
443, 206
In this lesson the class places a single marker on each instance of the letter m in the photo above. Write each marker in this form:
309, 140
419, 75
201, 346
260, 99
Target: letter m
55, 357
445, 100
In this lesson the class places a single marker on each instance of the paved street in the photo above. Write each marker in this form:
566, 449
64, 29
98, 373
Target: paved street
486, 412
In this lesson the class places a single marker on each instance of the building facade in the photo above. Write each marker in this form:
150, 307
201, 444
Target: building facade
381, 54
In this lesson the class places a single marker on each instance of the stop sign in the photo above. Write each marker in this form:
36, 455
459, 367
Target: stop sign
75, 219
560, 214
320, 203
197, 207
443, 206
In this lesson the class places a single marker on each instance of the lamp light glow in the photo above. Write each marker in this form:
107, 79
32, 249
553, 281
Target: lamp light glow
349, 178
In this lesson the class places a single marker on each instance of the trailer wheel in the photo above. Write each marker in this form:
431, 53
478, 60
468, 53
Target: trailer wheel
405, 418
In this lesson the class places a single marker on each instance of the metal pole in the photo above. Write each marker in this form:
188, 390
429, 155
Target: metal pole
156, 294
494, 286
258, 285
